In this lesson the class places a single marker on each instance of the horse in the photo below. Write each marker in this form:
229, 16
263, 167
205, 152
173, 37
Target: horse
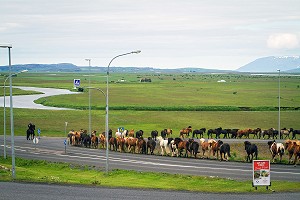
182, 145
164, 145
139, 134
285, 132
102, 140
289, 147
224, 149
256, 133
206, 146
120, 143
200, 132
252, 150
276, 149
121, 134
94, 140
141, 146
154, 134
216, 131
270, 133
294, 133
151, 144
244, 132
194, 147
131, 143
165, 133
296, 152
185, 131
112, 142
87, 141
30, 131
131, 133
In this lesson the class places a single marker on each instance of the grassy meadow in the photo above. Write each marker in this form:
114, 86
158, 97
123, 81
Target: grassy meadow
169, 101
64, 173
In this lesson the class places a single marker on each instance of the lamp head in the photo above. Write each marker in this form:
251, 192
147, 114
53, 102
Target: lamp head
5, 46
138, 51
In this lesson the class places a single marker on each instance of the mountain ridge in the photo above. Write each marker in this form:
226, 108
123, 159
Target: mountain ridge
270, 64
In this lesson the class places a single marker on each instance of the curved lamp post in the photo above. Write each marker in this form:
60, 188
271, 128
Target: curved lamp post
4, 112
13, 161
106, 121
90, 120
279, 103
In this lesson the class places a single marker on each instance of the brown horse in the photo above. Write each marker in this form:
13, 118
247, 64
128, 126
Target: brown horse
102, 140
185, 131
131, 142
289, 147
112, 143
94, 140
131, 133
120, 143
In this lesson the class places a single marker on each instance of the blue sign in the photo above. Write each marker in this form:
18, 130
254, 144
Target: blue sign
76, 82
65, 142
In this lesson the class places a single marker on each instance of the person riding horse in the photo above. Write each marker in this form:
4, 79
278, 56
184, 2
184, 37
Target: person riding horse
30, 131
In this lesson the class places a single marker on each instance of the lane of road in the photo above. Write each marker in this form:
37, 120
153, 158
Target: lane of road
30, 191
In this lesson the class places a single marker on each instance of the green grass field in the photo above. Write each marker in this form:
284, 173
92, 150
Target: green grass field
169, 101
63, 173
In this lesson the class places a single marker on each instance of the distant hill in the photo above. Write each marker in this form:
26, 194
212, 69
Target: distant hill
68, 67
272, 64
61, 67
287, 64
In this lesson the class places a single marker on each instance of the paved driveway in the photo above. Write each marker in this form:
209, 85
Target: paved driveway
27, 101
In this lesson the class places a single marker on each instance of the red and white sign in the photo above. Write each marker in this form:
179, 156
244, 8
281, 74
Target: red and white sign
261, 173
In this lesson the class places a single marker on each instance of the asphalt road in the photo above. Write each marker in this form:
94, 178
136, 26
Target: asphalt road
53, 149
28, 191
27, 101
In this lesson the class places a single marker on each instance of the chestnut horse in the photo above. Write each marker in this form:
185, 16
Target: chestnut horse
185, 131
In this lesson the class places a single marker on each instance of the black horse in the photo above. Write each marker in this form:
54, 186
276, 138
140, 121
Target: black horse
30, 131
252, 150
199, 132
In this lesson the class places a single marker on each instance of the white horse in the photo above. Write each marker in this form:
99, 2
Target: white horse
118, 134
163, 145
121, 134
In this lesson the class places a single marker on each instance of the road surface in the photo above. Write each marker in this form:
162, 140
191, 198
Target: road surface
30, 191
53, 149
27, 101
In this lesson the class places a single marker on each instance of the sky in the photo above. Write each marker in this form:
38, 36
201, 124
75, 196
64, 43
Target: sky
212, 34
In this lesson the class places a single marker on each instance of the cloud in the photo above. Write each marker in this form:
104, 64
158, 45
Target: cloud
283, 41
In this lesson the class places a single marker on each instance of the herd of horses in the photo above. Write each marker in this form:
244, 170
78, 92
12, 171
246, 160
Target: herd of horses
134, 142
257, 133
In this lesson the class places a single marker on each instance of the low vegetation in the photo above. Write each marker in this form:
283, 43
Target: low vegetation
63, 173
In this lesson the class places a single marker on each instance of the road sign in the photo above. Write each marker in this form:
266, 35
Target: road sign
76, 82
261, 173
121, 129
65, 142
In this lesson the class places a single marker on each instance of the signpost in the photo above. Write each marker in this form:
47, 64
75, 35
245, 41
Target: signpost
261, 173
76, 83
65, 143
39, 133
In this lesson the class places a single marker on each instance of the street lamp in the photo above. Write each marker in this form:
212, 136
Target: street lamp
13, 161
279, 103
106, 121
90, 120
4, 112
